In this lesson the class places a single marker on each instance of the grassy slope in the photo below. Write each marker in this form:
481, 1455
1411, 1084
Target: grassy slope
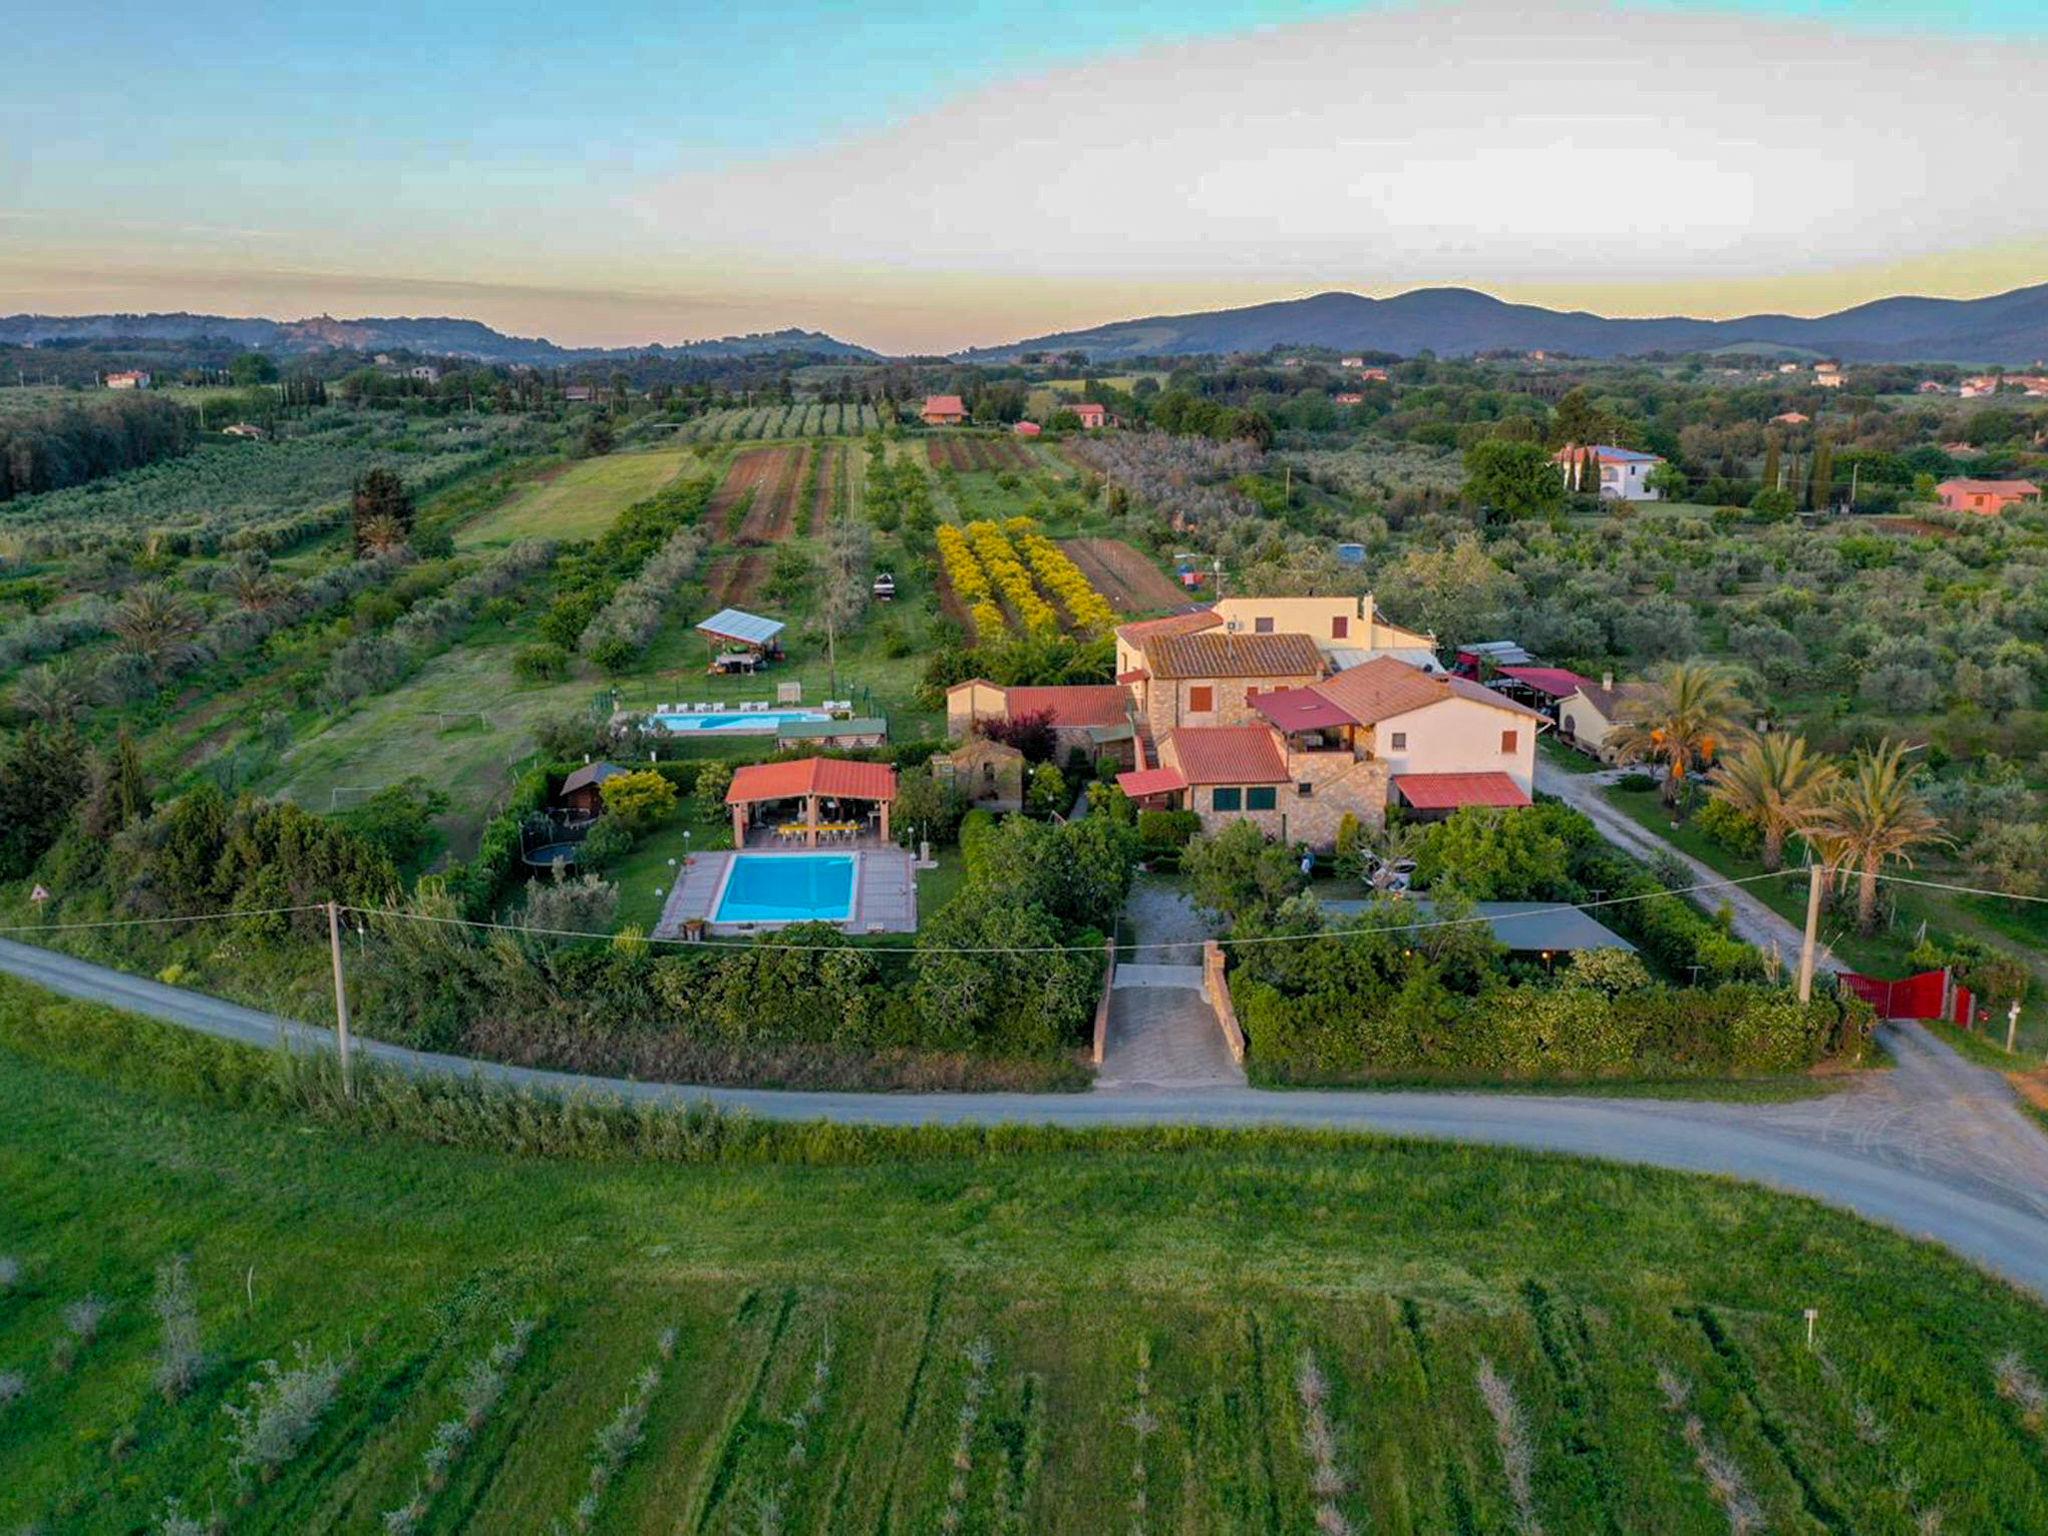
1399, 1265
580, 502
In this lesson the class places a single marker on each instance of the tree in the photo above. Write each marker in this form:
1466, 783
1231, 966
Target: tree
713, 780
1772, 471
1489, 854
157, 625
1578, 420
42, 779
1875, 817
56, 693
1777, 783
641, 800
380, 503
1047, 795
1513, 480
1820, 479
1669, 482
1238, 874
1678, 718
1030, 732
1453, 593
252, 368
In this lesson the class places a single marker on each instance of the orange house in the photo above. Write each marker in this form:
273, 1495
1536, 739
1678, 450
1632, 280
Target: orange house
944, 410
1093, 417
1986, 498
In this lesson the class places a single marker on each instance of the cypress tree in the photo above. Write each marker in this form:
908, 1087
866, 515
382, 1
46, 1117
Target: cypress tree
1770, 472
1823, 479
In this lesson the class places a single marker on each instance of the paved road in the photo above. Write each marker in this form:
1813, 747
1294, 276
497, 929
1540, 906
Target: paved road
1937, 1148
1754, 921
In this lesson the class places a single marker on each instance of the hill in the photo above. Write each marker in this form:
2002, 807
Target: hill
1457, 322
437, 336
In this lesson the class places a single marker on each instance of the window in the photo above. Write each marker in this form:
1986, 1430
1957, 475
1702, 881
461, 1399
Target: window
1251, 692
1397, 741
1508, 739
1201, 699
1340, 628
1226, 799
1305, 789
1262, 626
1261, 797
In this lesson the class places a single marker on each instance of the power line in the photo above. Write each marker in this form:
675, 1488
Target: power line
183, 917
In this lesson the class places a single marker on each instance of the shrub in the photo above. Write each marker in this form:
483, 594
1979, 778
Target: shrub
714, 779
283, 1408
541, 663
1163, 831
179, 1357
641, 800
1729, 829
609, 841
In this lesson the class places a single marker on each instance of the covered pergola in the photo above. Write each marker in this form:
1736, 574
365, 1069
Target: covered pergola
808, 782
736, 635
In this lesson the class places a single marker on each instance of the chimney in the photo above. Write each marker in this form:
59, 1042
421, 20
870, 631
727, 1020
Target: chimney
1607, 682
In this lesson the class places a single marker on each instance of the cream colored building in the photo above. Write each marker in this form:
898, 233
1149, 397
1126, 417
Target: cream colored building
1588, 717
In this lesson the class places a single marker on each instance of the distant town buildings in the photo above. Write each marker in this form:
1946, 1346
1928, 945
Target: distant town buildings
1828, 375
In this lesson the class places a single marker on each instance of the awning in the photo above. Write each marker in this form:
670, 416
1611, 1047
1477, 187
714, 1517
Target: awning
747, 628
1103, 735
1301, 709
1452, 791
1144, 782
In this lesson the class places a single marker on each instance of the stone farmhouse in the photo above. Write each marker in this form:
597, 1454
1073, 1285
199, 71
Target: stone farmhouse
1292, 713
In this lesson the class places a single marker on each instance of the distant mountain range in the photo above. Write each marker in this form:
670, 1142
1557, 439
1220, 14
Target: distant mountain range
1458, 322
436, 336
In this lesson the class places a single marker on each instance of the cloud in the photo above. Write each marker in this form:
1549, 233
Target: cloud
1499, 142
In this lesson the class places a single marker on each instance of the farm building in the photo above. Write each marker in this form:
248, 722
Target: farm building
1828, 375
243, 429
1542, 688
1093, 718
735, 634
582, 793
989, 774
1585, 719
1618, 474
943, 411
132, 378
1986, 498
1349, 398
577, 393
1092, 417
829, 795
1026, 429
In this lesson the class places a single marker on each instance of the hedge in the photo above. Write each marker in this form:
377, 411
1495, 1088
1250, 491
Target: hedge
1535, 1033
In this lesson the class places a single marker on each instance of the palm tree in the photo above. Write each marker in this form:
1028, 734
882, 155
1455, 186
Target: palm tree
1776, 782
55, 694
1678, 718
155, 624
253, 586
379, 534
1875, 815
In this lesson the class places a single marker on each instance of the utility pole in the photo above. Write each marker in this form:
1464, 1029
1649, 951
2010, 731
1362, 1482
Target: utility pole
340, 997
1816, 874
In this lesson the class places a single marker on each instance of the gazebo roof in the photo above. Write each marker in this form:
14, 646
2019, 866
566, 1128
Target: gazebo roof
747, 628
812, 776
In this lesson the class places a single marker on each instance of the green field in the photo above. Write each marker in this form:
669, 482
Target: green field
579, 501
1029, 1274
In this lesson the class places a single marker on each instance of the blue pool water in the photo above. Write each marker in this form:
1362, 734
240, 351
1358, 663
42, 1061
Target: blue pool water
762, 723
788, 888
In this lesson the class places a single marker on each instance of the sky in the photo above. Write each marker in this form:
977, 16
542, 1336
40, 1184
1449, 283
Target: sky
920, 177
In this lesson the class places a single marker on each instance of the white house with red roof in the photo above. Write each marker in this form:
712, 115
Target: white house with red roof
1618, 474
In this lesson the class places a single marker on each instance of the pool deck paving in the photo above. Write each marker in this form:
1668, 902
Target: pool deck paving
885, 897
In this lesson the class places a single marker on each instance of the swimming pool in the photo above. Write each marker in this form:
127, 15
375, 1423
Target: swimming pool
764, 722
788, 888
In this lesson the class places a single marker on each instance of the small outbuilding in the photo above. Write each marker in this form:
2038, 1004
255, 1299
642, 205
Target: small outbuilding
734, 633
989, 774
582, 792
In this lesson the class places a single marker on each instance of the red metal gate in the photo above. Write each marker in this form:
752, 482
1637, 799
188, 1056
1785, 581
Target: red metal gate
1929, 995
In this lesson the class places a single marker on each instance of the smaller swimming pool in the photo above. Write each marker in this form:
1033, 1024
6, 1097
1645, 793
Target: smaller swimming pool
788, 888
763, 722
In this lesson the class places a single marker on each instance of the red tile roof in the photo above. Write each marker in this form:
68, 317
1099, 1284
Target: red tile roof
944, 405
1071, 706
1142, 630
1300, 709
811, 776
1449, 791
1227, 754
1215, 653
1151, 781
2021, 488
1383, 688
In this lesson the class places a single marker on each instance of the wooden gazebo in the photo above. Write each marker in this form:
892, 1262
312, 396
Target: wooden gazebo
809, 781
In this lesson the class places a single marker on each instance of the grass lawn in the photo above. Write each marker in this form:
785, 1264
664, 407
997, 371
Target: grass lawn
1885, 953
1056, 1283
645, 876
578, 501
